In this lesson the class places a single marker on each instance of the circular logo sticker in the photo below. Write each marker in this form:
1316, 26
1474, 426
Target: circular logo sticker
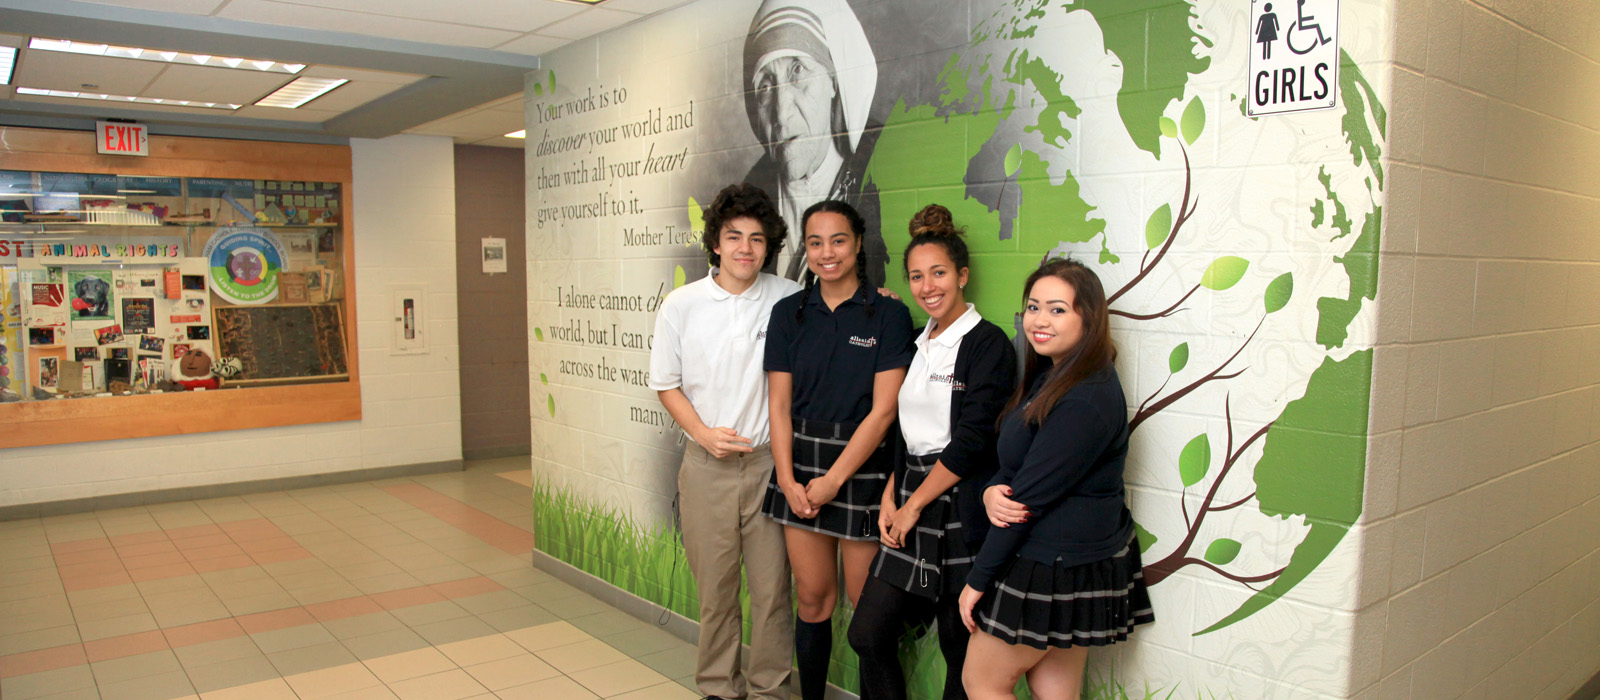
245, 263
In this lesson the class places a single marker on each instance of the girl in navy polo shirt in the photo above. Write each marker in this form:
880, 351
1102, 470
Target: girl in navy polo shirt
836, 354
1065, 576
932, 520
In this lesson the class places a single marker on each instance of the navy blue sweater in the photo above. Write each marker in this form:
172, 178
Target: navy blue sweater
1068, 471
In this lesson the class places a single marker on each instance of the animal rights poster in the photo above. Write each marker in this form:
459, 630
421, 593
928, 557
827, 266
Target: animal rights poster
1239, 256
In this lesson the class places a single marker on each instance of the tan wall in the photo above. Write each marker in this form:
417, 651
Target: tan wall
1486, 401
492, 308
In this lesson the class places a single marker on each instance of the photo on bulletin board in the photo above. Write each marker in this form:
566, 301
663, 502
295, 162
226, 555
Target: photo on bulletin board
119, 371
49, 372
108, 335
199, 332
194, 283
152, 370
138, 315
81, 354
90, 292
118, 353
41, 336
180, 349
152, 343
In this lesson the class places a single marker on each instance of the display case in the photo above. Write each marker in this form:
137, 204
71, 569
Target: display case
205, 287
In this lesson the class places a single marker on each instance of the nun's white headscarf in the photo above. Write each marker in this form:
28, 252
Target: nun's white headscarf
827, 31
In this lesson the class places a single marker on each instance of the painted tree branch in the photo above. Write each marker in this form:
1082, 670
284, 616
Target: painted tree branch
1159, 314
1185, 210
1145, 412
1179, 558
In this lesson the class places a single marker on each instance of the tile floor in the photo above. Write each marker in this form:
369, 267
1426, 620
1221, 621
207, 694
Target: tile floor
417, 588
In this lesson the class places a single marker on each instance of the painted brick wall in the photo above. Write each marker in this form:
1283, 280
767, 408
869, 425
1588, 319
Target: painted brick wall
1483, 579
404, 210
492, 308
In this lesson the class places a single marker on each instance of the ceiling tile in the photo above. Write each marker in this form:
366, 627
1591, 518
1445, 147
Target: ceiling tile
591, 21
13, 40
521, 15
215, 84
478, 124
533, 45
645, 7
66, 71
188, 7
293, 115
357, 75
284, 14
501, 141
514, 104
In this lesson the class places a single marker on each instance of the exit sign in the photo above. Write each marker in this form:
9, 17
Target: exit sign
122, 138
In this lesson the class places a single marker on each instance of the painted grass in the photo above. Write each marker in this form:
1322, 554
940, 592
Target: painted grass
649, 562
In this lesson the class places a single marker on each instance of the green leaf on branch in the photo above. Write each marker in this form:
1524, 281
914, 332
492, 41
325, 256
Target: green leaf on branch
1195, 460
1194, 120
538, 333
1222, 551
679, 277
544, 379
1013, 159
552, 82
697, 216
550, 401
1169, 128
1224, 272
1279, 291
1146, 539
1158, 227
1179, 358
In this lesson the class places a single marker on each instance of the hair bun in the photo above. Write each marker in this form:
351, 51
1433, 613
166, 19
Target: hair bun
934, 220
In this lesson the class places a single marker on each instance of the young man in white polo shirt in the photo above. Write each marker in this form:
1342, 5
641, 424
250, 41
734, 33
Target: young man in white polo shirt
706, 366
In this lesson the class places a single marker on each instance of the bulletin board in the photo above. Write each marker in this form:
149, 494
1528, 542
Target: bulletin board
283, 342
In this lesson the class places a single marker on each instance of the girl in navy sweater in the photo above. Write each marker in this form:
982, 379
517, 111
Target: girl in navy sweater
1066, 576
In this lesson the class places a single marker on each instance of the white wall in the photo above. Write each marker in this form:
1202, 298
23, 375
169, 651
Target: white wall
1486, 416
403, 205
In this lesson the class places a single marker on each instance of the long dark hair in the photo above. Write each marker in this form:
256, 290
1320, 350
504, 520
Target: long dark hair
743, 199
1093, 353
858, 226
934, 226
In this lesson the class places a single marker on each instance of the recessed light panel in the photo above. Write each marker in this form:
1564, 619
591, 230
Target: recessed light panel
122, 98
300, 91
518, 134
8, 60
178, 57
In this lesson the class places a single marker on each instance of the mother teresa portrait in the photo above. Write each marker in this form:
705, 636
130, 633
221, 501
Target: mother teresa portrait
810, 75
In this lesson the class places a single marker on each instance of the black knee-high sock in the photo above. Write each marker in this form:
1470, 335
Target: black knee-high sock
813, 648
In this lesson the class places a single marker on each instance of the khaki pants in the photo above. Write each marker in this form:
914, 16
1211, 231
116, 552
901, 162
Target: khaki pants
720, 501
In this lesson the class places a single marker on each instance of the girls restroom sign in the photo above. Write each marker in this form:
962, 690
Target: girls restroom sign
1294, 56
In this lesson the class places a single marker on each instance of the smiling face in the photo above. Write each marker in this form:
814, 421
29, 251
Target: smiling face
742, 247
1053, 325
936, 283
794, 108
831, 246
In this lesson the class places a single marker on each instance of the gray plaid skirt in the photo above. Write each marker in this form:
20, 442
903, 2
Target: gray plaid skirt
935, 561
1050, 605
853, 512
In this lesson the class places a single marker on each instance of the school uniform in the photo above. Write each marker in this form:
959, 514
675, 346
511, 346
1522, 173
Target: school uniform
709, 344
954, 392
1070, 575
833, 356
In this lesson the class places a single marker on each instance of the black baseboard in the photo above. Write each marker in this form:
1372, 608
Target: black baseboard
1590, 690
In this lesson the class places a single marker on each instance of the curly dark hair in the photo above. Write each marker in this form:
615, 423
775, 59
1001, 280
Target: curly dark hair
934, 225
744, 199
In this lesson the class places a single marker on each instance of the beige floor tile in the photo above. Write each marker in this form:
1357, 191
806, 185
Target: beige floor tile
450, 685
558, 688
37, 685
38, 639
478, 650
274, 689
345, 678
117, 626
583, 655
512, 671
410, 664
555, 634
660, 691
615, 678
377, 692
137, 666
231, 674
164, 686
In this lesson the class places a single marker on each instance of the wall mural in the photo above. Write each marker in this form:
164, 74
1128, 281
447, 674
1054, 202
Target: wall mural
1240, 253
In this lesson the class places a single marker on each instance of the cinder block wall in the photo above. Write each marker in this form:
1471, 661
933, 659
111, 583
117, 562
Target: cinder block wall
1486, 421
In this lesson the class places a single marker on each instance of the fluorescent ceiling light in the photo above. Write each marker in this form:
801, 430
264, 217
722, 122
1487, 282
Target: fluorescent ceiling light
122, 98
179, 57
300, 91
518, 134
8, 60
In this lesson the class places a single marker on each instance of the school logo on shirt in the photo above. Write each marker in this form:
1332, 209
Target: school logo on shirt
947, 379
761, 335
863, 342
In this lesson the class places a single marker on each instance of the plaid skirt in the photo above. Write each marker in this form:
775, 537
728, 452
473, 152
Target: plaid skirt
1047, 605
853, 512
937, 558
